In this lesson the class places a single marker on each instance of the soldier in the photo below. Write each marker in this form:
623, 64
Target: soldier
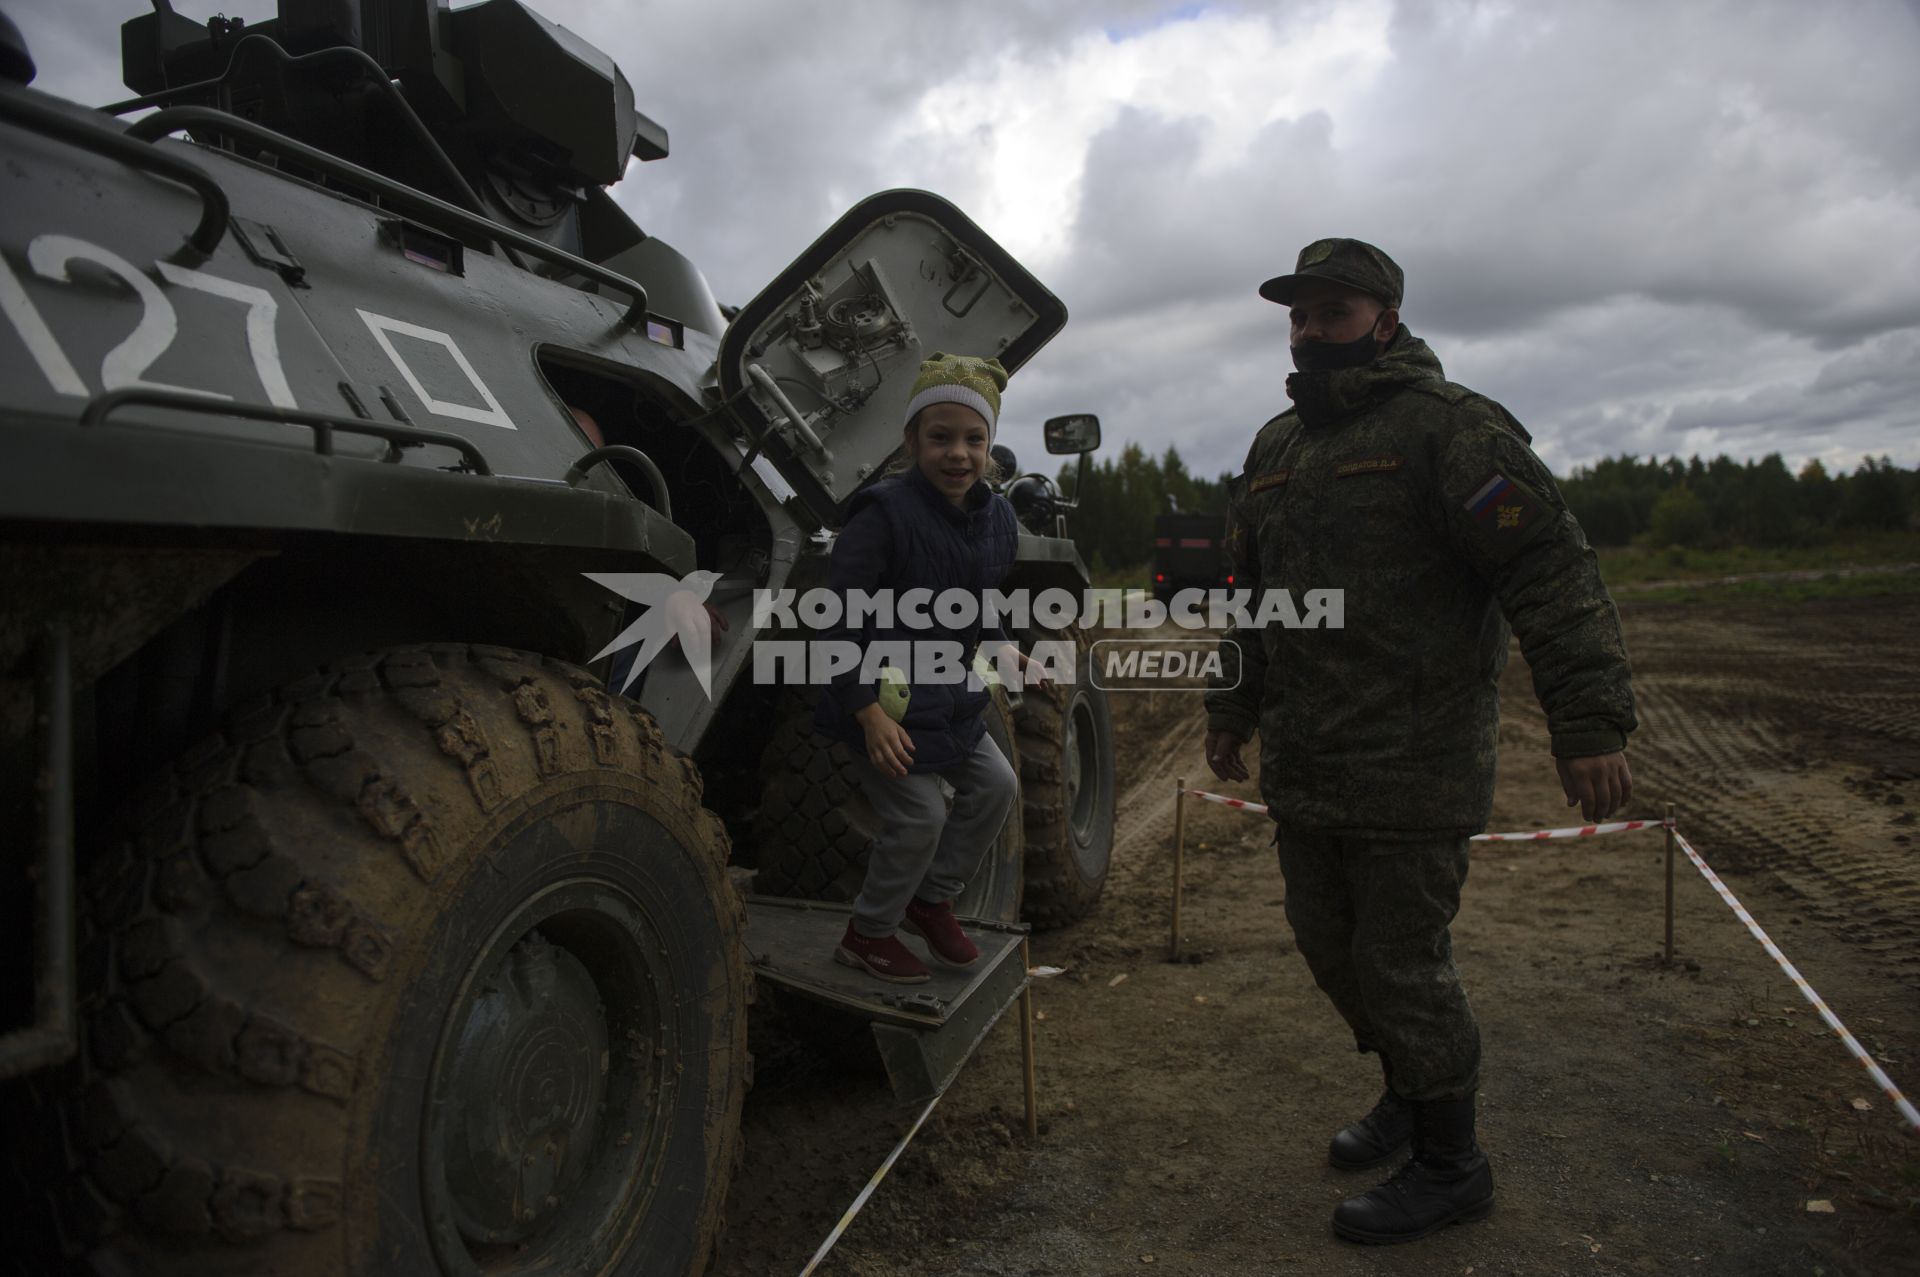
1423, 502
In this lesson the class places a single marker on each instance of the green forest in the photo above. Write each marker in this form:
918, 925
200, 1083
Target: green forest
1621, 501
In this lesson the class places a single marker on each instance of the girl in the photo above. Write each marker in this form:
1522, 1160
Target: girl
937, 526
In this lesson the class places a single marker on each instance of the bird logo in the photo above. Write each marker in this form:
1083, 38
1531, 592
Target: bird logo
676, 608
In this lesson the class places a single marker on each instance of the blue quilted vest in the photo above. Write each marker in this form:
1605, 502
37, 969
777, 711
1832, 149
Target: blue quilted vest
936, 545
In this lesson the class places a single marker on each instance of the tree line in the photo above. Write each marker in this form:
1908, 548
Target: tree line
1618, 501
1727, 502
1114, 525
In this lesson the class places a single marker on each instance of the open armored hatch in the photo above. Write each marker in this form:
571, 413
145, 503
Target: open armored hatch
819, 368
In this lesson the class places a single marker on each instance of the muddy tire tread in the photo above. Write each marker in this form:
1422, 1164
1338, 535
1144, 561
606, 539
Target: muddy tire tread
198, 845
1056, 894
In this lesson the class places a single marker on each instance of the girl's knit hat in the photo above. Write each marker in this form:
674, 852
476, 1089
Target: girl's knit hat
961, 379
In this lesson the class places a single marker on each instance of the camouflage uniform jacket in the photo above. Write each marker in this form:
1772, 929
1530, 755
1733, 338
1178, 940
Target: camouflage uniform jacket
1423, 502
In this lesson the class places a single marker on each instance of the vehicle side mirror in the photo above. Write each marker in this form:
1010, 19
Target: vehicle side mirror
1077, 432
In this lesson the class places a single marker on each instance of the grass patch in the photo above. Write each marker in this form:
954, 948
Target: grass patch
1626, 569
1122, 578
1775, 591
1631, 565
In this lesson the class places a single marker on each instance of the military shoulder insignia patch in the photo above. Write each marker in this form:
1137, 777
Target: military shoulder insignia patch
1501, 505
1237, 544
1271, 479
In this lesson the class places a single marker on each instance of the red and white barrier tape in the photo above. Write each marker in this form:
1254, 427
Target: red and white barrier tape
873, 1182
1574, 831
1847, 1039
1806, 990
1534, 835
1225, 801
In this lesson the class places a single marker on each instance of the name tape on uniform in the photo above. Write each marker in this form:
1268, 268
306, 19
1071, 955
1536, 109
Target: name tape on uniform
1366, 465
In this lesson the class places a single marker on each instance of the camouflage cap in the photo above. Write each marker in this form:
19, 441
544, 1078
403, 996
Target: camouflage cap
961, 379
1352, 262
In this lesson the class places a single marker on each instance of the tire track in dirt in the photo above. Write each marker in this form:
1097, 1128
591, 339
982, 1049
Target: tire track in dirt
1894, 716
1745, 734
1221, 1175
1147, 804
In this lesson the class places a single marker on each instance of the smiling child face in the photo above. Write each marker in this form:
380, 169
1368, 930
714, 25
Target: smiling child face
949, 446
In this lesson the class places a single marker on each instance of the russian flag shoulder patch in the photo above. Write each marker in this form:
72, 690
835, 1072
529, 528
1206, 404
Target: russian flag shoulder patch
1500, 505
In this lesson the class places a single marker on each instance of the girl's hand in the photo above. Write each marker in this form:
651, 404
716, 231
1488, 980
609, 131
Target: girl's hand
1032, 672
889, 746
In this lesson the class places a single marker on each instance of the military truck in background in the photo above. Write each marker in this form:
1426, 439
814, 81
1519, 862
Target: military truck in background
369, 930
1189, 553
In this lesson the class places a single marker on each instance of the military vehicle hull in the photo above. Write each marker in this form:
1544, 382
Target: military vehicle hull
371, 929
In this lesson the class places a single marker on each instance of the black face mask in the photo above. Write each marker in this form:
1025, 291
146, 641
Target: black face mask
1329, 356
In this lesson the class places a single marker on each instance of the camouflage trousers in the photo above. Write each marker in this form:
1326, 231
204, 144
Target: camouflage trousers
1371, 918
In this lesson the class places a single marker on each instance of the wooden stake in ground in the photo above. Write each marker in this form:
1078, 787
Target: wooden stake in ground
1179, 862
1669, 884
1026, 1042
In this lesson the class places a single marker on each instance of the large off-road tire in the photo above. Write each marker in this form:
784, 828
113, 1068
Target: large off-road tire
427, 965
1067, 791
814, 824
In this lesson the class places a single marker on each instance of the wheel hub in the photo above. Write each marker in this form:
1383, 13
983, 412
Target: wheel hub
526, 1090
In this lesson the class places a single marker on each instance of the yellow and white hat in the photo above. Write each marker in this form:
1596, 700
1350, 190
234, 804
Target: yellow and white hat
961, 379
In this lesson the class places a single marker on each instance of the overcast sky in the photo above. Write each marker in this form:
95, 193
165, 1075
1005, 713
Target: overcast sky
1656, 228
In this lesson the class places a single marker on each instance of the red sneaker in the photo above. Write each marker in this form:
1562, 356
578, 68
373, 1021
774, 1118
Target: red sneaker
936, 925
886, 957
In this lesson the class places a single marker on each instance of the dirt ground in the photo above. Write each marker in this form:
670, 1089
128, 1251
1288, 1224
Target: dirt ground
1640, 1118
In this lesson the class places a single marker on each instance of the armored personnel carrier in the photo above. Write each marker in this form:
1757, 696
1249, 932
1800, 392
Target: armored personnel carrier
370, 929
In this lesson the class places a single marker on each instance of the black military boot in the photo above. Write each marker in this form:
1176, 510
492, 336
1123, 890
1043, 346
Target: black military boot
1446, 1181
1374, 1138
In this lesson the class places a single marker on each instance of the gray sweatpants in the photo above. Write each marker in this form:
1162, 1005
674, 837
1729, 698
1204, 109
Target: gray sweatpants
922, 849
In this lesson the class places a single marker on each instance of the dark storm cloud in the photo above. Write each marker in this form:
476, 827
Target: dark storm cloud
778, 113
1155, 225
1693, 154
1877, 380
1635, 208
1646, 228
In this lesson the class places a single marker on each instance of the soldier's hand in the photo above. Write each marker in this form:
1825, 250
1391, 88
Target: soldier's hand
1601, 785
1223, 755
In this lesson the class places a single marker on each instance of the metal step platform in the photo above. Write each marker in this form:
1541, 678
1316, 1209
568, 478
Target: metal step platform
925, 1032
